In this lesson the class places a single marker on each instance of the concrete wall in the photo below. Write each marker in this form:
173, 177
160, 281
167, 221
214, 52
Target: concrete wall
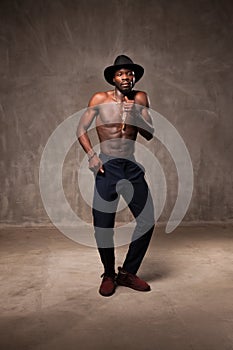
52, 58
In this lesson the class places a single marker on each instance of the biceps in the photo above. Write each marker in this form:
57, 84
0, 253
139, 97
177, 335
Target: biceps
146, 115
85, 121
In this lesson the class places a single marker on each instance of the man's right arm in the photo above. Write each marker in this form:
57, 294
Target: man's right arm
86, 120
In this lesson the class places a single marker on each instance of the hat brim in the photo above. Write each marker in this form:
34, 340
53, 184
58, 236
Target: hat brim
110, 71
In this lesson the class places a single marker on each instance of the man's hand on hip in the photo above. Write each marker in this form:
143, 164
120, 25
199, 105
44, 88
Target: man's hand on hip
96, 165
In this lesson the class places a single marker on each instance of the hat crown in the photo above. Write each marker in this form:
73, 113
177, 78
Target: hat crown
121, 60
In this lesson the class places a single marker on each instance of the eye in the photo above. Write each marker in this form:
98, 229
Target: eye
131, 73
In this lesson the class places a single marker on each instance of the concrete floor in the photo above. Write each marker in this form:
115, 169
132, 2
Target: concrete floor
49, 293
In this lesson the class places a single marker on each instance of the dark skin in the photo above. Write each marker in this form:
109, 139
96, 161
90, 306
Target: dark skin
115, 133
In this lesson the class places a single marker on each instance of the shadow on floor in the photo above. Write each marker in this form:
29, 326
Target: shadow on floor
154, 271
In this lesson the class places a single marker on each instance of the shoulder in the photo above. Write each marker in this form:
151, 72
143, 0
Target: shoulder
141, 98
98, 98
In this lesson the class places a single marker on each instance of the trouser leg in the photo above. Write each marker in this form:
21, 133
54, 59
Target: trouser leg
137, 251
107, 257
142, 208
104, 208
105, 242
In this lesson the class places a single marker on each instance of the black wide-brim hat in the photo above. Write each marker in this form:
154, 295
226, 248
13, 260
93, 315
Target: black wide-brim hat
123, 61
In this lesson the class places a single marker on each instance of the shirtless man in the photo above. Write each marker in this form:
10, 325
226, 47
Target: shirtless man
120, 114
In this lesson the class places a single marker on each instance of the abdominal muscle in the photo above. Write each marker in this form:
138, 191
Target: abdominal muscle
116, 142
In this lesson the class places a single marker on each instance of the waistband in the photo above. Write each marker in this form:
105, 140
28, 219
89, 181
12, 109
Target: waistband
106, 157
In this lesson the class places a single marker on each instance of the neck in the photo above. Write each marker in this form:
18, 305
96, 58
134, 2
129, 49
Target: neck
119, 96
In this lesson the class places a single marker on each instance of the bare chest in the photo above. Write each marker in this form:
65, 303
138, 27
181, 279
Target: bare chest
114, 113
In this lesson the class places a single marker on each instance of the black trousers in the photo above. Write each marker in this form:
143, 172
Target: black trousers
122, 177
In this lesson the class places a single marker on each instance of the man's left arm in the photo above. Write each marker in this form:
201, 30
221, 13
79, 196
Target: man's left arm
143, 118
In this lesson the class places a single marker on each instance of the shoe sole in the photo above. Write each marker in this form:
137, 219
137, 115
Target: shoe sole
139, 290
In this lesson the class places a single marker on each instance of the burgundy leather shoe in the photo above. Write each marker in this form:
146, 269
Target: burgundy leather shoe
127, 279
108, 286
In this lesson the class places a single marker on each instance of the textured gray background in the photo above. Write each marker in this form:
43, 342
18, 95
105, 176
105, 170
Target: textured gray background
52, 58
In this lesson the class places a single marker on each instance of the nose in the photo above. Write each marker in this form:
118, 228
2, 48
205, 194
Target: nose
125, 77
